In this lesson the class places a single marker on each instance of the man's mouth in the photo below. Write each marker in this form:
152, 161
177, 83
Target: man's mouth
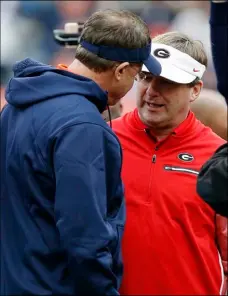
153, 105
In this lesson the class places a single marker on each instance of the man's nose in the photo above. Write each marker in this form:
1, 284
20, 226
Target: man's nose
153, 89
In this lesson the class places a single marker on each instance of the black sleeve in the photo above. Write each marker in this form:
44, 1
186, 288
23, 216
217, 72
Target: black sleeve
212, 181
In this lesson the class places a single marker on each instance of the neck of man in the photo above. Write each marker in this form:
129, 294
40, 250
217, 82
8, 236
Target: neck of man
101, 79
162, 131
159, 134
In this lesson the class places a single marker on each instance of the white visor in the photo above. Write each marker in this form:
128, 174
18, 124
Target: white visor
176, 65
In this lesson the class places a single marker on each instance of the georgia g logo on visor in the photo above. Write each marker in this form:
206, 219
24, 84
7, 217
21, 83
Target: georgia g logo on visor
162, 53
185, 157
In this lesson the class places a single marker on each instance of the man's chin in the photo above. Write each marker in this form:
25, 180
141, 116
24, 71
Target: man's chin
149, 119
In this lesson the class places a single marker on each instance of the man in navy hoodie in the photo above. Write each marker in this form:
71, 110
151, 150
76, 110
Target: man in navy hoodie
213, 177
62, 207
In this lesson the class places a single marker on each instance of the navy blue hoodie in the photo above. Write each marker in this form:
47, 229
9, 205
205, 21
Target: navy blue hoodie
62, 208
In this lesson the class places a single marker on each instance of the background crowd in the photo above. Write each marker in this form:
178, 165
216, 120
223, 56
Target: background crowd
27, 29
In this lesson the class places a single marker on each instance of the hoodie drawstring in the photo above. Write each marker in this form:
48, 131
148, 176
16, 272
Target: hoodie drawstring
109, 115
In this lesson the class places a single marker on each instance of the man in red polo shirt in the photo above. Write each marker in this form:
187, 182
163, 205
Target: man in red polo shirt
170, 240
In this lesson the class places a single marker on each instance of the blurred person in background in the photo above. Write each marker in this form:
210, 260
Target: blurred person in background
171, 234
20, 36
36, 20
47, 17
213, 178
158, 15
71, 10
62, 208
60, 12
211, 109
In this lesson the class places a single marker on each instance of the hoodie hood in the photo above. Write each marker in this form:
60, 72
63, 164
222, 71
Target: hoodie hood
34, 82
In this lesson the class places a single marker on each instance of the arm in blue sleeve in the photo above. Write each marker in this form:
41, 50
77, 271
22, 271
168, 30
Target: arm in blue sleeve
81, 158
219, 43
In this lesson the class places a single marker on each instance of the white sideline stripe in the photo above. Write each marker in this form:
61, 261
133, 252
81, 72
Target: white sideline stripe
222, 274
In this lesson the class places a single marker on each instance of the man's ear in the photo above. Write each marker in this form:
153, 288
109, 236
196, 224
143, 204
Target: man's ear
120, 70
196, 89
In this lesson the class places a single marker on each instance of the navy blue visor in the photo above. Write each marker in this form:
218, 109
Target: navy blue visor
138, 55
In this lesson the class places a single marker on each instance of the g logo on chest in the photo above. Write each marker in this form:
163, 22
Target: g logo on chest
186, 157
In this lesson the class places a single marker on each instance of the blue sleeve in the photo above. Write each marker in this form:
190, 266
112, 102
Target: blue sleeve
219, 44
87, 209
